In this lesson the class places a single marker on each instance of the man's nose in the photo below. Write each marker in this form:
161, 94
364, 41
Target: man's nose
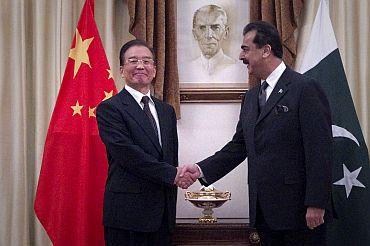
209, 32
241, 55
140, 64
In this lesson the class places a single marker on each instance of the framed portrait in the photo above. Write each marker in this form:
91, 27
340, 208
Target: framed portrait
209, 35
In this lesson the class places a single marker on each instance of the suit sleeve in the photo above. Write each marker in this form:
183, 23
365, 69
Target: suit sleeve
315, 121
116, 137
226, 159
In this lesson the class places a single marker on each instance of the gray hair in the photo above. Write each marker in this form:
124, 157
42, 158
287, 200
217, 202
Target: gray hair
210, 8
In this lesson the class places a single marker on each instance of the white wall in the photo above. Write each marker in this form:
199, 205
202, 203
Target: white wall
203, 129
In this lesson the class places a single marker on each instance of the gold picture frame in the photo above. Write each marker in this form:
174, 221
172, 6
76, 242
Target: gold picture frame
208, 92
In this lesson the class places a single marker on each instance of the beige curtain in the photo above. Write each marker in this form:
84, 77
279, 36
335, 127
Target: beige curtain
35, 39
284, 14
34, 43
155, 22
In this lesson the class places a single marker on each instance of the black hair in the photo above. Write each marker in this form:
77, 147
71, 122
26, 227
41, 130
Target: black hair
265, 34
129, 44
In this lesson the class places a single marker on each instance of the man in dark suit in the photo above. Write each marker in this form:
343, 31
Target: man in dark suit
284, 129
140, 135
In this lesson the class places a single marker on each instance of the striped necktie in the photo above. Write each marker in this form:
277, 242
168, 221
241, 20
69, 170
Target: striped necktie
145, 101
262, 95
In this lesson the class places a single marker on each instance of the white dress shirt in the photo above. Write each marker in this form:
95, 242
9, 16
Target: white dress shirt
210, 66
218, 69
137, 95
273, 78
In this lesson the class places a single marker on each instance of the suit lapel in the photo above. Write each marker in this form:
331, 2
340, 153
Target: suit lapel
163, 123
251, 104
132, 108
279, 91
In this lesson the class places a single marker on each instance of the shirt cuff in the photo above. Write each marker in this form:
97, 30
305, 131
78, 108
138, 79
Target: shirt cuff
200, 170
201, 174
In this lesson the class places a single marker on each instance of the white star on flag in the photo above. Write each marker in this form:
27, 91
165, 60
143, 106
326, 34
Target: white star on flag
350, 179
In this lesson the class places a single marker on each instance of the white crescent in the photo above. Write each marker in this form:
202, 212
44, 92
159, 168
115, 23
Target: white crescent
341, 132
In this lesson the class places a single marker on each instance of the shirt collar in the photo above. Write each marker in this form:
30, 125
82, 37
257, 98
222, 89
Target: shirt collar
210, 64
137, 95
274, 77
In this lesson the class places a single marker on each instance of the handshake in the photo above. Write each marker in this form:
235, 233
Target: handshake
186, 175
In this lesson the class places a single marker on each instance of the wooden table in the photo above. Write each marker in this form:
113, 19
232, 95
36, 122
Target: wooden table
224, 232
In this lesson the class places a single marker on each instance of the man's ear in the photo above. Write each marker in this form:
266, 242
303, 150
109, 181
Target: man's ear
227, 29
195, 36
155, 71
266, 51
121, 71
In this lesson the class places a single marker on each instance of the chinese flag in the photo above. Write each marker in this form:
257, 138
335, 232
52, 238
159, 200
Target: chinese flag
69, 197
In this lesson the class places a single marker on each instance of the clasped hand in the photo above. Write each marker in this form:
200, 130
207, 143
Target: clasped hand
186, 175
314, 217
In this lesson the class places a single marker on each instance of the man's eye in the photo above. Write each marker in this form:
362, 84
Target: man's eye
146, 61
215, 27
133, 61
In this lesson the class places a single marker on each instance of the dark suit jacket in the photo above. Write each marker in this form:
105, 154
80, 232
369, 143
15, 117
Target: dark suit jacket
289, 150
139, 188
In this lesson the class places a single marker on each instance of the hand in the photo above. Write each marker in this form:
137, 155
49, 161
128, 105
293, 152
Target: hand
183, 179
314, 217
186, 175
192, 170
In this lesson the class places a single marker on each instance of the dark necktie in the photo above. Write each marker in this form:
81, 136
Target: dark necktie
262, 95
145, 101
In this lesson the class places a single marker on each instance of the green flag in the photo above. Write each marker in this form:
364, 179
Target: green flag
351, 170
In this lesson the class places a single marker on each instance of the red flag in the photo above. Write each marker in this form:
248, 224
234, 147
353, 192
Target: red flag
69, 197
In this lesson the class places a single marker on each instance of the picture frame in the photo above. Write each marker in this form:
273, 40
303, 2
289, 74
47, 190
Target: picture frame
211, 72
208, 92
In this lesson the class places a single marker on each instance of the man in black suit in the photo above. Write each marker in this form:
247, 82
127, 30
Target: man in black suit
140, 135
284, 129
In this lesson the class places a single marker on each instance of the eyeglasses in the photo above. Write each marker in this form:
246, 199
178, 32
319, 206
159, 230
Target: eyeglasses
144, 61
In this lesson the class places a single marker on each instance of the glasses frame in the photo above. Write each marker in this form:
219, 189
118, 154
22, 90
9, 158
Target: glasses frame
146, 61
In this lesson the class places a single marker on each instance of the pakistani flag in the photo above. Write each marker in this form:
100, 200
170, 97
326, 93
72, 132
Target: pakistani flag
351, 170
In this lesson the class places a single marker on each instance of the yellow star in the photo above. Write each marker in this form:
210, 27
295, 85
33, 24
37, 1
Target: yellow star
110, 73
91, 112
108, 95
79, 52
77, 109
